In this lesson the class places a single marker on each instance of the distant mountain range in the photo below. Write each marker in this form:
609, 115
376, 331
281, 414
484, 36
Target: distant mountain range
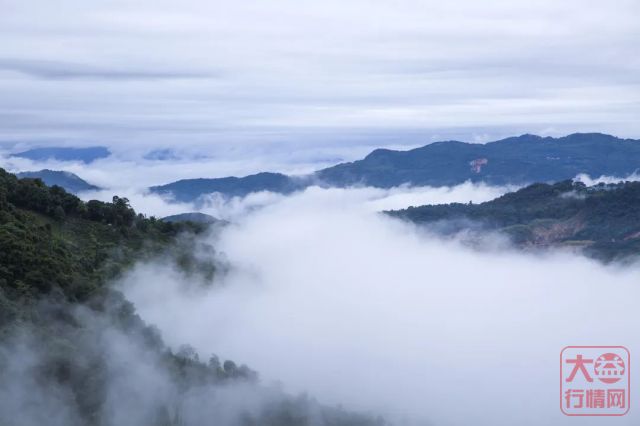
602, 220
188, 190
67, 180
86, 155
516, 160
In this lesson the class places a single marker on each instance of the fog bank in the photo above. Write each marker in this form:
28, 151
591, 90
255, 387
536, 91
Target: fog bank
356, 308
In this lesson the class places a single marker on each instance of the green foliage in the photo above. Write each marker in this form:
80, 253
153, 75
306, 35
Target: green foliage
57, 254
51, 240
604, 219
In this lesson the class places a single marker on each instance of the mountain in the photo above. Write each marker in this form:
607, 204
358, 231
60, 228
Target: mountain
86, 155
517, 160
190, 189
72, 347
67, 180
194, 217
601, 220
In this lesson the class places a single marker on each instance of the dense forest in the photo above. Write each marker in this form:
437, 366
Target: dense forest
51, 241
73, 351
603, 220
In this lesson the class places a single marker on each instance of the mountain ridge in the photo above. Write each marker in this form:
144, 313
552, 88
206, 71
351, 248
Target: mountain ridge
67, 180
84, 154
186, 190
517, 160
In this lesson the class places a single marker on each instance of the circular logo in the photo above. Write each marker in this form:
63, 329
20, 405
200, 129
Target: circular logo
609, 368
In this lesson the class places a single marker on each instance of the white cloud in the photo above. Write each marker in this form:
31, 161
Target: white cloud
373, 199
214, 73
590, 181
330, 297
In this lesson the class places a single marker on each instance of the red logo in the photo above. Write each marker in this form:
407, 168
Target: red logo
594, 381
609, 368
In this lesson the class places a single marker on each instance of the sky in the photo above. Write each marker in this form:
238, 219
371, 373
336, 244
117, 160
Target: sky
327, 78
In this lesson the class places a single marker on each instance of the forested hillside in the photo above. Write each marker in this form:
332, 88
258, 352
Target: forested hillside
50, 240
73, 351
602, 220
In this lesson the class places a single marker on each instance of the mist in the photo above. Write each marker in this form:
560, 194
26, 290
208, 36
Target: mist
112, 370
232, 208
330, 297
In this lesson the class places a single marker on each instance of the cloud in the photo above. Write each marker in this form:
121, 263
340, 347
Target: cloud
236, 208
125, 73
128, 174
98, 373
590, 181
332, 298
54, 70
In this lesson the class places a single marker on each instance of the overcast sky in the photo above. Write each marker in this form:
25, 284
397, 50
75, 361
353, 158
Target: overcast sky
308, 73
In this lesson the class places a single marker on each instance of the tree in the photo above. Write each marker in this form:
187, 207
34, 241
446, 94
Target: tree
58, 213
3, 198
230, 368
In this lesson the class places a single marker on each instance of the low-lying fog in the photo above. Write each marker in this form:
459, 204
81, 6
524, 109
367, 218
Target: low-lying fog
330, 297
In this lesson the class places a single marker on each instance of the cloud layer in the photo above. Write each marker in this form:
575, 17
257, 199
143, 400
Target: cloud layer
332, 298
306, 74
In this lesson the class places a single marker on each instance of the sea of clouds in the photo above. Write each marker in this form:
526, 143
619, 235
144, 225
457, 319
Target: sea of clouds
322, 293
328, 296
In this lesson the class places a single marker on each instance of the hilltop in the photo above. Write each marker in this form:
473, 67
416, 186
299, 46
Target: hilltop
67, 180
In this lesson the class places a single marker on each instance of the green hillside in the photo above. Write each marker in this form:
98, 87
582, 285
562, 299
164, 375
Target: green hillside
602, 220
50, 240
63, 328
